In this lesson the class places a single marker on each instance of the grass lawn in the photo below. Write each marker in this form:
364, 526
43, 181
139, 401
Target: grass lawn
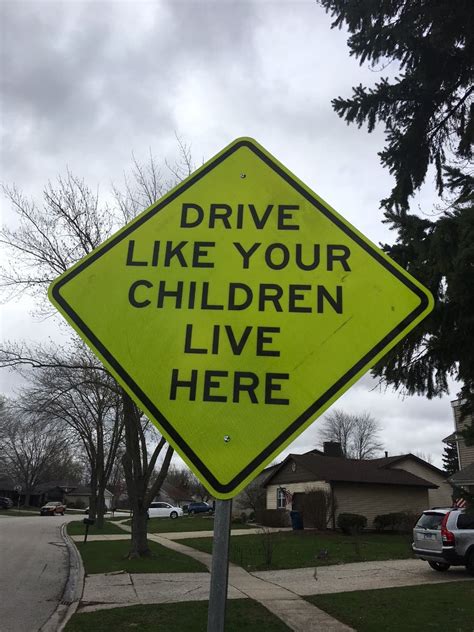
185, 523
241, 614
105, 557
22, 514
436, 608
297, 549
79, 528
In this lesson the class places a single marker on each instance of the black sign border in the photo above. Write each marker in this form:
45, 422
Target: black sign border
320, 402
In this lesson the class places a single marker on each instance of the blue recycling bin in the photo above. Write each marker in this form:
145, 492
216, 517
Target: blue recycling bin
296, 520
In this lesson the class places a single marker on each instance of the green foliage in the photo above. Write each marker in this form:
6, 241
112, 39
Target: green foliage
350, 523
427, 109
450, 459
428, 114
441, 255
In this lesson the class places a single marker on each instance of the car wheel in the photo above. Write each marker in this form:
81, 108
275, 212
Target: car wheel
174, 514
441, 567
192, 512
470, 563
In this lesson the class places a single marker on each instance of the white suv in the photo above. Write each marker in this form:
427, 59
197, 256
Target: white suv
444, 538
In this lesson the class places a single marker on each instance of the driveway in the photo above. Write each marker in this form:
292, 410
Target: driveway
33, 570
361, 576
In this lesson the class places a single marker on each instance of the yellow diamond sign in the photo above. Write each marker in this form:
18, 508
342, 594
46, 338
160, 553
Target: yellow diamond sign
236, 309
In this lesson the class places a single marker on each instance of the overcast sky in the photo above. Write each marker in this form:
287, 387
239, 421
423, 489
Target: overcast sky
85, 84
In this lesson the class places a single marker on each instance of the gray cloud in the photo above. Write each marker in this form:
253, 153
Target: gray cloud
86, 83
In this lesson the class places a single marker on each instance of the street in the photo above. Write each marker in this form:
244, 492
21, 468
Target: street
33, 570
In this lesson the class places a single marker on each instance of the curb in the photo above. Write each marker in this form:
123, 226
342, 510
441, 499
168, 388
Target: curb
73, 589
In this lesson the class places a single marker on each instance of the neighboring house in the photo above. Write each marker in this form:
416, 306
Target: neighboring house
64, 491
173, 495
465, 476
439, 497
367, 487
80, 495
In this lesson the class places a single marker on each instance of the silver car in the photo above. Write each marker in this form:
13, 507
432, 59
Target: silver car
444, 538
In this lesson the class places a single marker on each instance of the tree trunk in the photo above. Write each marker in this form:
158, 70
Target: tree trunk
139, 543
100, 477
136, 483
93, 496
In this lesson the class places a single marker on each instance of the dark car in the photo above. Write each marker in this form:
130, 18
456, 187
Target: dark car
5, 503
195, 508
52, 509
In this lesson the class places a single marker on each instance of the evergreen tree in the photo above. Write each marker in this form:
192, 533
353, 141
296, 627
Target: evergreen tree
450, 459
428, 114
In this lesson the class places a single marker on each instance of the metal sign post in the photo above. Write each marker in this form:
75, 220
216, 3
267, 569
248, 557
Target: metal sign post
220, 567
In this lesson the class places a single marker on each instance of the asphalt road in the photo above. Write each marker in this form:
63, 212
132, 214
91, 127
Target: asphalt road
33, 570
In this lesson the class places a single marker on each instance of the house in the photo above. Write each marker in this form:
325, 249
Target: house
173, 495
465, 476
367, 487
79, 496
441, 496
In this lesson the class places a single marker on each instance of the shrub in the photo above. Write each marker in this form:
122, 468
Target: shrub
316, 504
351, 523
273, 517
401, 521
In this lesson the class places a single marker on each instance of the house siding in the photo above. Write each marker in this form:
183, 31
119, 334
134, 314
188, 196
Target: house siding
465, 453
294, 488
371, 500
441, 497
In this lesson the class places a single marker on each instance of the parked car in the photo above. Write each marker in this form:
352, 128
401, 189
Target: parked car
5, 503
164, 510
53, 508
444, 538
195, 508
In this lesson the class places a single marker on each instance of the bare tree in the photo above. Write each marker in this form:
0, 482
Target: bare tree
87, 402
28, 446
365, 442
357, 434
49, 238
338, 426
253, 496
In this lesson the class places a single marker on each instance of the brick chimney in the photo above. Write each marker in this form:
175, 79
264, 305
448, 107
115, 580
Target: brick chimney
332, 448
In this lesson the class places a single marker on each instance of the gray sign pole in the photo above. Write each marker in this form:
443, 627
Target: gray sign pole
219, 567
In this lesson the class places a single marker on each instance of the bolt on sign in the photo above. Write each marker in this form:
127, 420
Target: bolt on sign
236, 310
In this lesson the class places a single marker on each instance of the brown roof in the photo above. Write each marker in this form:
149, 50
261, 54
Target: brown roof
339, 469
391, 460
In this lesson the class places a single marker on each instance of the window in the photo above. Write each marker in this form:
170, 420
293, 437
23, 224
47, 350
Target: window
430, 521
281, 498
466, 521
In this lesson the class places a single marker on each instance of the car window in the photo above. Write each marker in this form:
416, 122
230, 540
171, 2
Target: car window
430, 521
466, 521
154, 505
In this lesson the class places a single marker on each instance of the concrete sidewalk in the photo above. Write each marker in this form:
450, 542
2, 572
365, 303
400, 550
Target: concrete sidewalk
280, 592
124, 589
